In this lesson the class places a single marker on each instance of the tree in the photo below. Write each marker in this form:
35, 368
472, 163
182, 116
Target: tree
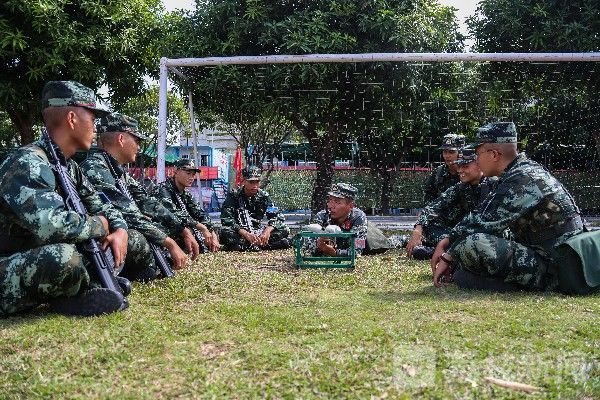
94, 42
555, 104
322, 101
144, 108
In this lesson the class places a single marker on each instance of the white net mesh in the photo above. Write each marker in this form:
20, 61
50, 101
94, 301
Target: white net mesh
380, 123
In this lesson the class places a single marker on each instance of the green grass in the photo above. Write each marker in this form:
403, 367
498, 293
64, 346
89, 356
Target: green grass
249, 325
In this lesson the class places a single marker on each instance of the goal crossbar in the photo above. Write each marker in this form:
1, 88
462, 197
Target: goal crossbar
171, 65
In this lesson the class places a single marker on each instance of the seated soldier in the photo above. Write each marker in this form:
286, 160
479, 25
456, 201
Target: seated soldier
242, 211
147, 218
436, 220
550, 249
180, 202
342, 212
446, 175
41, 260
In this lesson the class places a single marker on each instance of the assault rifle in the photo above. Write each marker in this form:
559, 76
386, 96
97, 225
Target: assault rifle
102, 260
159, 253
197, 234
245, 221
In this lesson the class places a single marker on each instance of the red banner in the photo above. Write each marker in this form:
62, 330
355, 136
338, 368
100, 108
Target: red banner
237, 165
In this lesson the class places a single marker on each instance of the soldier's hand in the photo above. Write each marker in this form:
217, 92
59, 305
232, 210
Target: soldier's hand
208, 237
442, 269
216, 246
104, 224
177, 255
325, 247
118, 243
439, 249
250, 237
190, 243
265, 236
416, 239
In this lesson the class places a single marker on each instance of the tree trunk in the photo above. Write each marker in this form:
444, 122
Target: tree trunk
324, 155
23, 120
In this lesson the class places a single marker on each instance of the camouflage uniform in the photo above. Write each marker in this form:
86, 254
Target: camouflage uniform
137, 213
441, 179
257, 207
192, 215
356, 223
438, 218
39, 258
537, 209
369, 238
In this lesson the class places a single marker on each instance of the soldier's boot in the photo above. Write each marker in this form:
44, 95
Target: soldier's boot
280, 244
422, 252
96, 301
124, 284
468, 280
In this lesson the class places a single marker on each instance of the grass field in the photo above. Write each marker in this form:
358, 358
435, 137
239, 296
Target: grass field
250, 325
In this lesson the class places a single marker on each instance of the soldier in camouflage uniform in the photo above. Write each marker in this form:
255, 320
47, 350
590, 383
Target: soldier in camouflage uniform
437, 219
446, 175
528, 200
40, 261
172, 192
249, 199
342, 212
119, 141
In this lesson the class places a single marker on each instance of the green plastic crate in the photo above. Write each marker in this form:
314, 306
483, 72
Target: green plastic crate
304, 261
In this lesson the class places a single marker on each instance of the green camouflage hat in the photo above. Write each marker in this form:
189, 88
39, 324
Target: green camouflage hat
466, 156
497, 132
116, 122
69, 94
251, 173
343, 191
186, 164
452, 142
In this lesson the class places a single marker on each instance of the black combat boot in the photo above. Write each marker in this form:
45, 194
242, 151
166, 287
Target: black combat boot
96, 301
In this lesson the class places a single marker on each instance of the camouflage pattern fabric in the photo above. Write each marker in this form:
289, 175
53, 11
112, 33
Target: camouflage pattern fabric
145, 214
257, 208
355, 222
438, 218
32, 277
539, 212
38, 257
139, 263
166, 192
440, 180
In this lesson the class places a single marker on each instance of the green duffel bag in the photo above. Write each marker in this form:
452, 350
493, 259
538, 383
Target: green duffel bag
577, 264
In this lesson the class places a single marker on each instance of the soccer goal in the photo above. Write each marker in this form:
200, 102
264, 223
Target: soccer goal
381, 117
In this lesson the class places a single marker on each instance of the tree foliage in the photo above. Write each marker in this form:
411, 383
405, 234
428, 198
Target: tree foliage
555, 105
95, 42
325, 102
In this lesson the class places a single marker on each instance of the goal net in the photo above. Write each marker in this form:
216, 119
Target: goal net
380, 123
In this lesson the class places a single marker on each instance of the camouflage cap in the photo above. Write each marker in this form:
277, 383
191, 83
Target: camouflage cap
452, 142
497, 132
186, 164
70, 94
343, 191
116, 122
467, 155
251, 173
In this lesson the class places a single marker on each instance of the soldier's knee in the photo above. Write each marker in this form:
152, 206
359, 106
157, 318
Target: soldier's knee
62, 267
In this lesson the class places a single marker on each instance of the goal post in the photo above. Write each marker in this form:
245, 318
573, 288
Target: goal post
550, 79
